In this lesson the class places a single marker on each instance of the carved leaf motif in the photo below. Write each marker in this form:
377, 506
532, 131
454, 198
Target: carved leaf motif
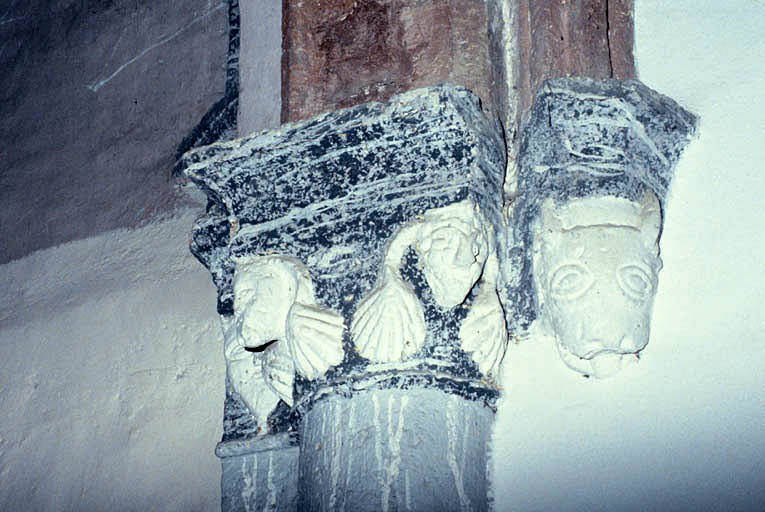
483, 332
315, 338
279, 371
389, 324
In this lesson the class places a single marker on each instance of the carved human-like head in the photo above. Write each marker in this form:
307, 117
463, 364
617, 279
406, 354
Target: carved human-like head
596, 265
264, 290
453, 244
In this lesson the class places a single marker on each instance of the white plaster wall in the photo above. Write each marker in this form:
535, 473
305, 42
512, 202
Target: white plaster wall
111, 375
685, 428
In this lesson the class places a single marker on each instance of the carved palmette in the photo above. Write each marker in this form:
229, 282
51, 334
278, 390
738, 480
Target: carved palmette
455, 249
389, 324
314, 336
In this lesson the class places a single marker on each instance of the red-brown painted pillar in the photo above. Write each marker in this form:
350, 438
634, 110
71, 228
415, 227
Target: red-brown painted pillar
563, 38
340, 53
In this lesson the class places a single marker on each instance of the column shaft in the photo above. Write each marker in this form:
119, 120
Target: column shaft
416, 449
259, 474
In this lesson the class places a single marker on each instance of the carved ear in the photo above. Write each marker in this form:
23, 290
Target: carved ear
547, 228
548, 219
302, 280
650, 219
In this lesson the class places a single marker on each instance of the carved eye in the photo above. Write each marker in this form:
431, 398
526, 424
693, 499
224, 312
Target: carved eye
570, 281
635, 282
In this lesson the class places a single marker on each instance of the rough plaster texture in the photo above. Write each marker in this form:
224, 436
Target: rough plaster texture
340, 53
111, 376
682, 429
94, 99
407, 450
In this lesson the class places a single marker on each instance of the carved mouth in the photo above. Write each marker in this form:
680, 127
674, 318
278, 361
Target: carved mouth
596, 348
593, 349
593, 354
600, 363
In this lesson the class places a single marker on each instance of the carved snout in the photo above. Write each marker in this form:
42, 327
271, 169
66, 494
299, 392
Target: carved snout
616, 345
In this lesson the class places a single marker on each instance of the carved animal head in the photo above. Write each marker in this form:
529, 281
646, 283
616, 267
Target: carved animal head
596, 265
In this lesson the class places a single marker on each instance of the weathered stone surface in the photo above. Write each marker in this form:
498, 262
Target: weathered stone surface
395, 450
339, 53
502, 38
259, 474
588, 139
94, 99
349, 196
587, 38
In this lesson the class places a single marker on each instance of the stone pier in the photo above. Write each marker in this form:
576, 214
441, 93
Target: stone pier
355, 256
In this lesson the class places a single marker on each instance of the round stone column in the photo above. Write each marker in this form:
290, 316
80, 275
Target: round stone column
259, 474
395, 449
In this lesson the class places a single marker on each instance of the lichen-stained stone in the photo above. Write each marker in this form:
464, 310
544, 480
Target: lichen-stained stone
340, 53
405, 192
596, 161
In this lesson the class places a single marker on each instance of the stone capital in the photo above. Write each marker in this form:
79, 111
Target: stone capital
355, 257
596, 162
356, 250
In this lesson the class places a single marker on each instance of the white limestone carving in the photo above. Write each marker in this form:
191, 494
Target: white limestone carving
452, 243
389, 324
315, 337
245, 372
596, 264
483, 332
274, 305
279, 370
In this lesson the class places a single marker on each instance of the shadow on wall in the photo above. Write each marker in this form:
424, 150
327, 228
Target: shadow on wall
95, 99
